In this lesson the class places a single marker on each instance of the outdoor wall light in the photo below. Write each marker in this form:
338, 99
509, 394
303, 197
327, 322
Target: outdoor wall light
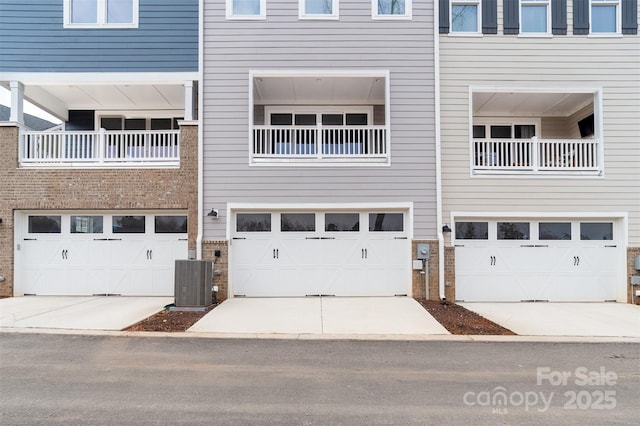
213, 213
446, 228
0, 220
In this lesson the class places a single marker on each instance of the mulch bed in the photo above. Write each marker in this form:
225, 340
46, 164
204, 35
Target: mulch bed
170, 320
455, 318
458, 320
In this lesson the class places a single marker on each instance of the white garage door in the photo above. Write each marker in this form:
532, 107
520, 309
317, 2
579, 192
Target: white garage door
281, 254
541, 260
125, 253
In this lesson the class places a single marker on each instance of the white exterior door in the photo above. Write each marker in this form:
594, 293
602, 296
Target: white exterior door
96, 253
535, 260
280, 254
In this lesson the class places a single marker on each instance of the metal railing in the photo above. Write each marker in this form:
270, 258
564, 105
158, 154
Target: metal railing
536, 155
320, 142
101, 148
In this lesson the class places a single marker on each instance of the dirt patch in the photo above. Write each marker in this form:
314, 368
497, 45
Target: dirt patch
170, 320
458, 320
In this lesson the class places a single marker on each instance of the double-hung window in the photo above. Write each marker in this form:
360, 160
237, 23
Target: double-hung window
465, 16
535, 17
100, 13
605, 16
318, 9
246, 9
391, 9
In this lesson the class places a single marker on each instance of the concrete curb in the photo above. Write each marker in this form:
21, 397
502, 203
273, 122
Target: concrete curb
362, 337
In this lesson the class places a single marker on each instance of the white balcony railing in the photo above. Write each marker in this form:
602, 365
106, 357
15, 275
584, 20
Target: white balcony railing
101, 148
352, 143
536, 155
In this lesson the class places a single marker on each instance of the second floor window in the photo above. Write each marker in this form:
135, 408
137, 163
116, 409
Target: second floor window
101, 13
465, 16
246, 9
535, 16
391, 9
318, 9
605, 16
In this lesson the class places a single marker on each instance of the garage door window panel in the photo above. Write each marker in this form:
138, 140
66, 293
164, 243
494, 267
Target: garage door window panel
513, 231
170, 224
472, 230
386, 222
602, 231
86, 225
342, 222
128, 225
253, 222
45, 224
554, 231
298, 222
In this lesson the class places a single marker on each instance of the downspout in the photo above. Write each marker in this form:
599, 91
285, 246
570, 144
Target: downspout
436, 81
200, 128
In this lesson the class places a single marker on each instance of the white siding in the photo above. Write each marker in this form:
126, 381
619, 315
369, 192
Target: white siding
354, 42
561, 62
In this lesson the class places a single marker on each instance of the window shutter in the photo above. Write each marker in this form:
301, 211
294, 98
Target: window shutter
559, 17
629, 16
490, 16
511, 17
444, 16
580, 17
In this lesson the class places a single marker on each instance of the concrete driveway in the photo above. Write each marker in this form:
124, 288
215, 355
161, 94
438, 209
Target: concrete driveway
78, 313
320, 316
563, 319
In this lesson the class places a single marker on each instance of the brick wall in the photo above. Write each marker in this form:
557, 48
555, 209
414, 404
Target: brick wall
417, 279
221, 264
450, 273
95, 189
632, 252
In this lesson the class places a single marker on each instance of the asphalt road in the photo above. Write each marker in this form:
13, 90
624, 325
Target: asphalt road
58, 379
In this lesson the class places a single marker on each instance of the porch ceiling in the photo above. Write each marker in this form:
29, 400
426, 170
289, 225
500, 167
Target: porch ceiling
529, 104
57, 99
312, 90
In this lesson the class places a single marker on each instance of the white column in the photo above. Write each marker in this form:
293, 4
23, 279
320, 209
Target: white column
189, 101
17, 102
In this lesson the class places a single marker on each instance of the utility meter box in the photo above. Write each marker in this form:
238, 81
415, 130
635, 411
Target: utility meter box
193, 283
422, 251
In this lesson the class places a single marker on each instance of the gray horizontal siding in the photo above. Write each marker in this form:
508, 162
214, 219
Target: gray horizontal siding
32, 39
354, 42
559, 62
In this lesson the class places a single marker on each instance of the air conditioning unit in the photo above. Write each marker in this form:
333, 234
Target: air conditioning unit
193, 283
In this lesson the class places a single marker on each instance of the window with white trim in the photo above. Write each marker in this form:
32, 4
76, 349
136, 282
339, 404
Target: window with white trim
391, 9
535, 17
318, 9
465, 16
246, 9
101, 13
605, 16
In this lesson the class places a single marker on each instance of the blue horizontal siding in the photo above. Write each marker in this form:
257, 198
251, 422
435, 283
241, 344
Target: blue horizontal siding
32, 39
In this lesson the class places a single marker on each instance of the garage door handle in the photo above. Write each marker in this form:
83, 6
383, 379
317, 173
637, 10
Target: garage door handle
65, 254
576, 260
493, 260
312, 238
364, 253
327, 238
276, 253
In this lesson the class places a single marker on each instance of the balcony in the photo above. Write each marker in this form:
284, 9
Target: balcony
320, 143
106, 149
552, 156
